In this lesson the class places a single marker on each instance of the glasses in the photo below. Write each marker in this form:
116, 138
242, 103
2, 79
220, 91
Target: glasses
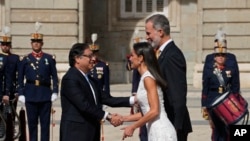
89, 56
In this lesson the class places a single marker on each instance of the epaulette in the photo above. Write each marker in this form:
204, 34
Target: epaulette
6, 54
54, 56
101, 60
21, 57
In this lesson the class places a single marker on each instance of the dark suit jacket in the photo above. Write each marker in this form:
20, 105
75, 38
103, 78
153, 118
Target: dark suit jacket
80, 120
173, 66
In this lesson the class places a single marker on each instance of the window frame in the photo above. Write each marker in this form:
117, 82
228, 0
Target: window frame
135, 14
117, 23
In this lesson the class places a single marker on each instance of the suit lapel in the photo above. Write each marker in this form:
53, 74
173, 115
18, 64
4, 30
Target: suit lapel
163, 53
95, 90
86, 83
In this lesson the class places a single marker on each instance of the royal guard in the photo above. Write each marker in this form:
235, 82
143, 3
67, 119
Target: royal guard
5, 84
13, 61
40, 88
218, 79
101, 69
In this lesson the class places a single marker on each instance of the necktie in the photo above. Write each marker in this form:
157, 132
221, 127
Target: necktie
157, 53
91, 88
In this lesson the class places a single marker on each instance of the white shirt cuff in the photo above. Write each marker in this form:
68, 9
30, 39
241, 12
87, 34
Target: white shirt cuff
132, 100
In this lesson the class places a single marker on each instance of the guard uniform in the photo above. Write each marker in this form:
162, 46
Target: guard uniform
39, 71
100, 71
217, 80
4, 75
5, 71
5, 86
13, 61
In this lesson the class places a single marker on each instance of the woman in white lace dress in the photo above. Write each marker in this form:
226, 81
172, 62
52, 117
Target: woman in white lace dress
150, 97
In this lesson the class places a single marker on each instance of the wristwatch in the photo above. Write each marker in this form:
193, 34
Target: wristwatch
109, 117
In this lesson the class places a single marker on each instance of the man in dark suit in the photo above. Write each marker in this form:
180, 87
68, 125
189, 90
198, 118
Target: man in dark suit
39, 70
82, 99
173, 66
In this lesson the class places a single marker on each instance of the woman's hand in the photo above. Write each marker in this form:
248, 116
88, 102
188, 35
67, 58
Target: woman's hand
128, 131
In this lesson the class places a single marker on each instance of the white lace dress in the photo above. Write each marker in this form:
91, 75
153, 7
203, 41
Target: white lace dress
159, 129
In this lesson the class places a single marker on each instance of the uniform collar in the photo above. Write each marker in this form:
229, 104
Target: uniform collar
7, 54
37, 55
221, 67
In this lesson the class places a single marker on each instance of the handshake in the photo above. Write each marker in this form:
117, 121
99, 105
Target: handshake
115, 119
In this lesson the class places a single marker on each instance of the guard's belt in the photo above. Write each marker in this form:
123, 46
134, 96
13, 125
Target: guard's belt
38, 83
217, 90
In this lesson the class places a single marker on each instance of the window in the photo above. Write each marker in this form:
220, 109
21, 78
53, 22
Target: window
128, 14
142, 8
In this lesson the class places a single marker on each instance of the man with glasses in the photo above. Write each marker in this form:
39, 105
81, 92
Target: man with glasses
39, 70
82, 99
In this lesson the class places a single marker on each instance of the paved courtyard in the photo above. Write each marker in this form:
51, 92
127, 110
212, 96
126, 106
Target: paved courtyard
201, 129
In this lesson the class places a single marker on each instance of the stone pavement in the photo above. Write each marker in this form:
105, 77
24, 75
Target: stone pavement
201, 129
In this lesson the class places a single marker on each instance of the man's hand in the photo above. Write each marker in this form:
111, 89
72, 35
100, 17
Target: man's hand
116, 120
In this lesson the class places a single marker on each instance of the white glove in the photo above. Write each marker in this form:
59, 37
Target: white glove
54, 97
21, 98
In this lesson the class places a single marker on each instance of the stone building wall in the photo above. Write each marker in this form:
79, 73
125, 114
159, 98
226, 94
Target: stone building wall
232, 16
193, 26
